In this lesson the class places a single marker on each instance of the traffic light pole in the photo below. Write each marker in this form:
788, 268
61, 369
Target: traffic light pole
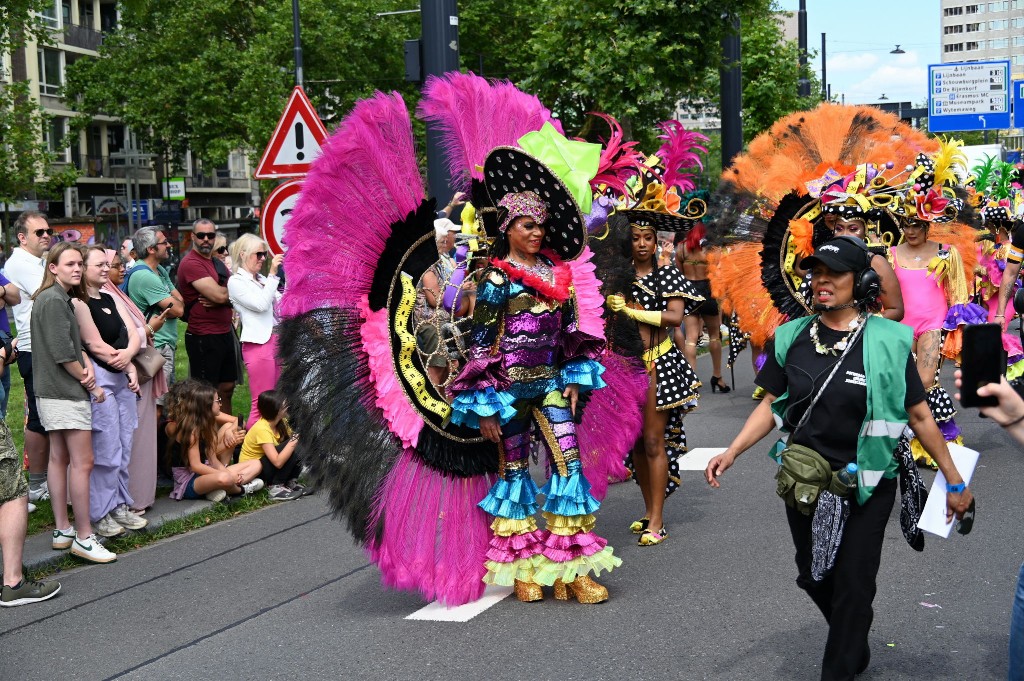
440, 54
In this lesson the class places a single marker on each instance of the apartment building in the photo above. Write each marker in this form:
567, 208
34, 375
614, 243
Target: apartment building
115, 170
986, 31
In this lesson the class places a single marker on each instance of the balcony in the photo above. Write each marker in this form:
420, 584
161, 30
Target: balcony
222, 178
83, 37
99, 167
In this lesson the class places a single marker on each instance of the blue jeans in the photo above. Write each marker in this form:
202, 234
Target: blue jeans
5, 383
1017, 631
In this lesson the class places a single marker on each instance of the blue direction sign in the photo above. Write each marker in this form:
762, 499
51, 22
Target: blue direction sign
1018, 103
969, 96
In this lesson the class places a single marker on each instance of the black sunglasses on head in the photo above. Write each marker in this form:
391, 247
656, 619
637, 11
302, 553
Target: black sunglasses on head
222, 250
204, 235
41, 232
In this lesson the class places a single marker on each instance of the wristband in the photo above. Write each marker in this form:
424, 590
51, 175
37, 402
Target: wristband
956, 489
999, 315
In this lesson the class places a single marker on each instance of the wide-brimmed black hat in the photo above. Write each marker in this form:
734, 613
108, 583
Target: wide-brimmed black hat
508, 170
663, 221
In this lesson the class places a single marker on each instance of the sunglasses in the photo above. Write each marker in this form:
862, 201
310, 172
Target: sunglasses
204, 235
162, 243
41, 232
222, 250
261, 255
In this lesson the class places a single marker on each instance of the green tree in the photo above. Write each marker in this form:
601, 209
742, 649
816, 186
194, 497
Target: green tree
213, 75
26, 162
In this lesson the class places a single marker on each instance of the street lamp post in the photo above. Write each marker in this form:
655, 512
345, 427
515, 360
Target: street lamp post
440, 24
731, 91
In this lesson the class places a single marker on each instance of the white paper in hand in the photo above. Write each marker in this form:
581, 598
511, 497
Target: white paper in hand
933, 519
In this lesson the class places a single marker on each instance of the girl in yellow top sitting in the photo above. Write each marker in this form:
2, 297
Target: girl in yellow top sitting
271, 442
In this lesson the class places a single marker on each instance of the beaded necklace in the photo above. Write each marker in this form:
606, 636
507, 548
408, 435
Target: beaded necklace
840, 345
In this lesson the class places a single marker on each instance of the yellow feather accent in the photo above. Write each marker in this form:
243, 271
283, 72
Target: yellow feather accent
949, 161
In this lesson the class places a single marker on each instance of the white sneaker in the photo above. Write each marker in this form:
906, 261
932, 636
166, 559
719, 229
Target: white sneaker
253, 486
123, 516
91, 549
108, 527
216, 495
62, 539
41, 493
31, 507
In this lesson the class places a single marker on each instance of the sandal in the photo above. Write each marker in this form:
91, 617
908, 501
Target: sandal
639, 526
652, 538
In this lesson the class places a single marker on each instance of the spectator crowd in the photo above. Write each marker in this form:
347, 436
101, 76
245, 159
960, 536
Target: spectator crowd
96, 334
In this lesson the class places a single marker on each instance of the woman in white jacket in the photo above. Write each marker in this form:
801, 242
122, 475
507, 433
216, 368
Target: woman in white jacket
254, 297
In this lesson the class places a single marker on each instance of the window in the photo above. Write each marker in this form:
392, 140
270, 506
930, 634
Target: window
51, 71
959, 28
974, 9
952, 11
1018, 59
954, 47
54, 133
1018, 41
971, 28
1017, 4
969, 45
51, 15
998, 24
999, 6
999, 43
1018, 22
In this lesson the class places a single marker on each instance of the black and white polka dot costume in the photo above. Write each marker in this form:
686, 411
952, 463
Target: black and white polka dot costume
676, 381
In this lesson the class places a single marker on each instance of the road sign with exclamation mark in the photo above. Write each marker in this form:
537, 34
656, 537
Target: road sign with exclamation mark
296, 141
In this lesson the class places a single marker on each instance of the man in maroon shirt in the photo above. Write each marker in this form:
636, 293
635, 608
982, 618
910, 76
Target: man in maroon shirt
209, 341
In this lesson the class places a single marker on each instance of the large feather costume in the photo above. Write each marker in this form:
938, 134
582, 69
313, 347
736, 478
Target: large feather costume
376, 431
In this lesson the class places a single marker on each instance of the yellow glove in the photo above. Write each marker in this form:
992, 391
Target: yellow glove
616, 303
643, 316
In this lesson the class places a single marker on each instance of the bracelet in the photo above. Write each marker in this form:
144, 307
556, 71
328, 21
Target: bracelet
999, 315
150, 329
1013, 422
956, 489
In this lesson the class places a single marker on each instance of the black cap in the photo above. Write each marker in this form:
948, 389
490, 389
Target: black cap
845, 254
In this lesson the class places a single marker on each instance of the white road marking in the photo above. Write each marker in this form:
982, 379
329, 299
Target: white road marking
435, 612
697, 459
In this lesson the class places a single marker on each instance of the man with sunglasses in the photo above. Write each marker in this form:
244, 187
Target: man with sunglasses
25, 270
209, 341
149, 286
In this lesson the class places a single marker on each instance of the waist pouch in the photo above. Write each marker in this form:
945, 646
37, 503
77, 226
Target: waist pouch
803, 475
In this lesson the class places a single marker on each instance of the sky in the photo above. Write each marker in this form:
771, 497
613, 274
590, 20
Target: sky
858, 39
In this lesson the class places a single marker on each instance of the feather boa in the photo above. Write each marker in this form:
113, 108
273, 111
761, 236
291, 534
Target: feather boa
558, 291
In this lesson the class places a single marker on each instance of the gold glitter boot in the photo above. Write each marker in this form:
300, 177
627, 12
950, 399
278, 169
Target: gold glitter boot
583, 589
528, 592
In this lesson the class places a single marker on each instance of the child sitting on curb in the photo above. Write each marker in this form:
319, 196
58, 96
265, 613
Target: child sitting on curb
270, 442
201, 443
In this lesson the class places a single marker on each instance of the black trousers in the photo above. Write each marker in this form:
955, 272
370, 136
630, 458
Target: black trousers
845, 596
288, 471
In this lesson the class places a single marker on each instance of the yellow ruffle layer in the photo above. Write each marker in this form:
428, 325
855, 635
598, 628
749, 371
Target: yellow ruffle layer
506, 527
921, 456
567, 525
506, 574
547, 571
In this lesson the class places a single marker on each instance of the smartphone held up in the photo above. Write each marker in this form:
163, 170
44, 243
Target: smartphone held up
982, 361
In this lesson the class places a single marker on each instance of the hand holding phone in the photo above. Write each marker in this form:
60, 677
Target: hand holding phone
982, 361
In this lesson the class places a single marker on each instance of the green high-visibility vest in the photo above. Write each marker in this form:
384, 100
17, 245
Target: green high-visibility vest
886, 345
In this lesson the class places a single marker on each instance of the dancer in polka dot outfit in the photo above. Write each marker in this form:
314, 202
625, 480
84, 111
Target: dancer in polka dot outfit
659, 298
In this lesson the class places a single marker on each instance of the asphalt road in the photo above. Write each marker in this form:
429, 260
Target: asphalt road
285, 594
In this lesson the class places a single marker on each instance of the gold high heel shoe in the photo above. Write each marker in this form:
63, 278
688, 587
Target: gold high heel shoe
528, 592
583, 589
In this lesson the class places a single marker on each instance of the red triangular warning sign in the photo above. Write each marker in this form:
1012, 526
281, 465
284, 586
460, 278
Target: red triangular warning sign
296, 141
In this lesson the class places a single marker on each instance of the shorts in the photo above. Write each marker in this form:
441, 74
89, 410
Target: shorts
709, 308
211, 357
25, 367
427, 343
190, 489
13, 484
65, 414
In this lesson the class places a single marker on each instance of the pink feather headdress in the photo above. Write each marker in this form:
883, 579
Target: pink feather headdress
680, 154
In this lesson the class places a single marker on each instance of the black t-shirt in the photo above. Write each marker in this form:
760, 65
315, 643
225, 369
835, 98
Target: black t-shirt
110, 325
835, 423
1017, 235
